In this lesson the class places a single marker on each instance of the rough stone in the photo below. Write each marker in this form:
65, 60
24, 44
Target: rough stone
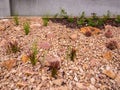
109, 73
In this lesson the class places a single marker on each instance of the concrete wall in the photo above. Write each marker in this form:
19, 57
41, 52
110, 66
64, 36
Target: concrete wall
74, 7
51, 7
4, 8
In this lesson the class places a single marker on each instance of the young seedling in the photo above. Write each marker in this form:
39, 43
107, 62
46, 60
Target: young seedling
16, 20
107, 16
71, 53
117, 20
33, 55
70, 19
82, 19
112, 45
91, 22
45, 20
12, 46
26, 26
63, 14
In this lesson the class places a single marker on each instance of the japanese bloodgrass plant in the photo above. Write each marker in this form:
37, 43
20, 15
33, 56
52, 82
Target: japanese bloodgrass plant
33, 54
12, 47
54, 66
16, 20
71, 53
26, 26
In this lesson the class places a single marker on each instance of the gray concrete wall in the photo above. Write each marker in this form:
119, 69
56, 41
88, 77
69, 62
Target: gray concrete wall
74, 7
4, 8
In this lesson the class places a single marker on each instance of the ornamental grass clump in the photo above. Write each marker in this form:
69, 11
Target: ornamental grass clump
71, 53
26, 26
16, 20
82, 19
12, 46
33, 55
54, 65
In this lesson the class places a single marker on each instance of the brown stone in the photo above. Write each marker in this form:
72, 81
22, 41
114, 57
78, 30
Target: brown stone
45, 45
25, 58
73, 36
109, 73
9, 64
108, 55
21, 84
2, 28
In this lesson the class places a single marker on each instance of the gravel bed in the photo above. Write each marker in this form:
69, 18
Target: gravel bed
89, 71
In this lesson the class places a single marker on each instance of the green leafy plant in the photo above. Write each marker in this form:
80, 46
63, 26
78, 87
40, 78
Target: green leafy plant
12, 46
82, 19
16, 20
91, 22
70, 19
107, 16
26, 26
33, 55
56, 15
82, 15
117, 19
95, 20
63, 14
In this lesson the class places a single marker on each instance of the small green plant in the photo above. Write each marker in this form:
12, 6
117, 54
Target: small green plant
91, 22
63, 14
82, 19
16, 20
71, 53
117, 19
33, 55
45, 20
95, 20
107, 16
12, 47
26, 26
56, 15
70, 19
82, 15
